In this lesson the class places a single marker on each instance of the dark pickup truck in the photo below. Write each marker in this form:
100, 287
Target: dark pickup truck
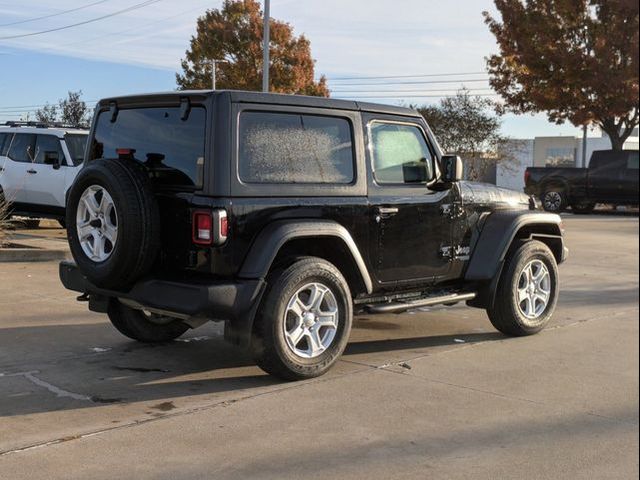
612, 177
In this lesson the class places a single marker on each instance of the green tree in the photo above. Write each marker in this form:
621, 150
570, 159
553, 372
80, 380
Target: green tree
70, 111
469, 126
234, 34
577, 60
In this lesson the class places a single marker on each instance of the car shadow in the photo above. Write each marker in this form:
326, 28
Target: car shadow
93, 361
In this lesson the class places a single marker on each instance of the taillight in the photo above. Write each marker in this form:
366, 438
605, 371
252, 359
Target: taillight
527, 174
202, 228
210, 227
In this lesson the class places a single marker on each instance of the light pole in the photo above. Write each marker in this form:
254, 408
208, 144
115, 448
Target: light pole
214, 71
213, 74
583, 164
265, 48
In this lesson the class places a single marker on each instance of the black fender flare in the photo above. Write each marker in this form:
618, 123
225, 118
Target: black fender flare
499, 230
271, 239
263, 252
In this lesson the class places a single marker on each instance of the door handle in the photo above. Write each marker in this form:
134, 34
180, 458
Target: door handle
32, 171
387, 210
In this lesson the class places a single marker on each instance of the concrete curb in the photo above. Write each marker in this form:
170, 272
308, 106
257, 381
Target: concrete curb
33, 254
34, 250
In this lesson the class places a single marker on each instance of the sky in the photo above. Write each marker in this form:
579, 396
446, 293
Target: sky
139, 50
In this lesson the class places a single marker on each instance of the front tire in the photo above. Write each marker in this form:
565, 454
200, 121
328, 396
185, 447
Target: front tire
144, 327
527, 291
304, 321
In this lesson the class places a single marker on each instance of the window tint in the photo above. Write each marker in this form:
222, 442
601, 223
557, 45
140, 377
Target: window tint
48, 143
294, 148
22, 148
171, 148
76, 145
633, 160
400, 154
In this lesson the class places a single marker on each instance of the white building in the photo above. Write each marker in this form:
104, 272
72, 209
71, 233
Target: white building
552, 152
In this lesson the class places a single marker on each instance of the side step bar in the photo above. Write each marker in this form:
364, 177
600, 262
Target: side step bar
395, 307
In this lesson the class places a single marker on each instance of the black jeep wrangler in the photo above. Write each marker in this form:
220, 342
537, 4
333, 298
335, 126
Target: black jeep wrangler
283, 215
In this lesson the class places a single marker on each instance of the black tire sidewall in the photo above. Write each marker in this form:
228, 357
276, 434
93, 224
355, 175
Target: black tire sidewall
285, 285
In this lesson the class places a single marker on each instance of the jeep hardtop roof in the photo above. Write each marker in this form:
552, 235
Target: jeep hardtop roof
238, 96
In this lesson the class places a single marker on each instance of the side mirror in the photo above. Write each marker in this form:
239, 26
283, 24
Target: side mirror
452, 168
53, 159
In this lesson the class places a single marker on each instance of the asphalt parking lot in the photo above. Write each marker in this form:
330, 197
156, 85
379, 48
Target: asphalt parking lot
425, 394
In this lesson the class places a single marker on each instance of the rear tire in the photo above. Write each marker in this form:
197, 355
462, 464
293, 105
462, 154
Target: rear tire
554, 200
146, 328
527, 291
296, 337
583, 208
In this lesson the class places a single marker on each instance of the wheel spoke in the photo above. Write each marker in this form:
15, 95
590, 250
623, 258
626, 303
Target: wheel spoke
91, 205
543, 297
85, 230
540, 274
328, 320
530, 309
523, 294
110, 233
316, 296
314, 342
98, 245
296, 335
297, 306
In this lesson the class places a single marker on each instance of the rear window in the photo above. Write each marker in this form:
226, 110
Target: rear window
171, 148
293, 148
76, 144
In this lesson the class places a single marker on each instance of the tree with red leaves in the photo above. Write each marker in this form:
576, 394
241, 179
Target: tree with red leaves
577, 60
234, 34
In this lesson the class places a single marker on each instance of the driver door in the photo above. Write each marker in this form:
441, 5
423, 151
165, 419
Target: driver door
408, 229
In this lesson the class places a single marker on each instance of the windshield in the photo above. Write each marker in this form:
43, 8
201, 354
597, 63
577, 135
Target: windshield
172, 148
76, 144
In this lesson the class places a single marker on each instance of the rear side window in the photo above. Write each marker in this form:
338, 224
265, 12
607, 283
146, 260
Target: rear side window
295, 148
48, 143
22, 148
633, 161
171, 148
400, 154
76, 145
3, 139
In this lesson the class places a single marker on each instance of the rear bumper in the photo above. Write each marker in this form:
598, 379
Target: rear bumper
233, 301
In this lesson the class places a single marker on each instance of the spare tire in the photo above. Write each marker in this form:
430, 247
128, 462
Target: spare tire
113, 222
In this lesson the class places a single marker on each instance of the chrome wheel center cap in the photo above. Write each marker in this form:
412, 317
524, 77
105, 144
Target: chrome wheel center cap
309, 319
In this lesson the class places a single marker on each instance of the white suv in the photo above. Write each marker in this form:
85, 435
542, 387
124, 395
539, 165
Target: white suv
38, 164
